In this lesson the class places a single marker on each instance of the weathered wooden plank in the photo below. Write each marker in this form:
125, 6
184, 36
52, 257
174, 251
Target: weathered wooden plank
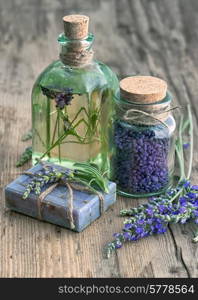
155, 36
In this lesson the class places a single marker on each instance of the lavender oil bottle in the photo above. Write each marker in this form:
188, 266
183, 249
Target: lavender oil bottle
72, 102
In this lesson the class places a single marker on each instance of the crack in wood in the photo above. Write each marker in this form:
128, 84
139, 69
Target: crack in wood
118, 272
184, 263
147, 272
178, 253
174, 242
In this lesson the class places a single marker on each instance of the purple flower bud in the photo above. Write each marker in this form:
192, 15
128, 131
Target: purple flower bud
186, 145
196, 213
139, 230
140, 221
162, 230
170, 192
128, 226
118, 244
186, 184
64, 98
149, 211
127, 236
191, 195
182, 210
194, 187
162, 208
117, 235
183, 200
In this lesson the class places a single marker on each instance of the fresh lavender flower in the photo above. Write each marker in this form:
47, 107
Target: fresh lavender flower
25, 157
194, 187
64, 98
154, 217
83, 174
47, 175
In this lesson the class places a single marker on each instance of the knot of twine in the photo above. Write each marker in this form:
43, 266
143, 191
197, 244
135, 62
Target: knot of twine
70, 186
145, 115
151, 118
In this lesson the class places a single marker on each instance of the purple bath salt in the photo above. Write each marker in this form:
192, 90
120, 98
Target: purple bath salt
139, 163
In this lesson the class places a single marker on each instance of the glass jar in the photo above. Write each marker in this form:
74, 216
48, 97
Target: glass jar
142, 139
72, 102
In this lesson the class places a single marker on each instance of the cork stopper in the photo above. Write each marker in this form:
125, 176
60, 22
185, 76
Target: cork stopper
76, 26
143, 89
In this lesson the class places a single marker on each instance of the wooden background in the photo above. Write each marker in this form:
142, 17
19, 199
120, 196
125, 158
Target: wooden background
157, 37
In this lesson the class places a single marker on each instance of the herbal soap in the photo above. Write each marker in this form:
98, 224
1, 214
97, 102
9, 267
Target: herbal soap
54, 209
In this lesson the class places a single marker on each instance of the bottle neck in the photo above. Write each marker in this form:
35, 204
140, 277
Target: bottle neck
76, 53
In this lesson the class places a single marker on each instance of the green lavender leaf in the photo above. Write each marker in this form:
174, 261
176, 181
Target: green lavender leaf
25, 157
91, 174
27, 136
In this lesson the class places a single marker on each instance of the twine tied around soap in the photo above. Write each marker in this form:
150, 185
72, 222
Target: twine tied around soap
70, 186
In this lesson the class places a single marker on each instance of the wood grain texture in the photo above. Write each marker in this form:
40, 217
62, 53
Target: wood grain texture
148, 37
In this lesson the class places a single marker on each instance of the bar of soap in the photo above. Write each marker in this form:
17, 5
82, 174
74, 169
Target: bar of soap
86, 206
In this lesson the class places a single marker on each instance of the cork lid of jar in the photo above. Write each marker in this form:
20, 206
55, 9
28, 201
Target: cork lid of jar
76, 26
143, 89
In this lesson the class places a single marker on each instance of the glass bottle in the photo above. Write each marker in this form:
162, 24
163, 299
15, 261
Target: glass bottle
72, 102
142, 137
